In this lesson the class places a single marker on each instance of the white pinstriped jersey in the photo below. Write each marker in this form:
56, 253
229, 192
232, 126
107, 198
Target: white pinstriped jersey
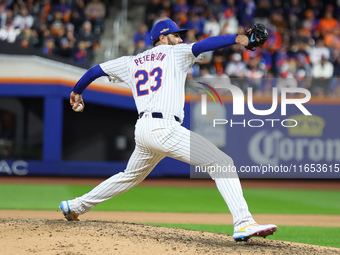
156, 77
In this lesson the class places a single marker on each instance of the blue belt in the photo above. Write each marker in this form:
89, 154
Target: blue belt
158, 115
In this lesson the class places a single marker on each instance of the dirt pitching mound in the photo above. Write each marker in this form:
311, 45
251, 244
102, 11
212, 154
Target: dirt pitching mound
36, 236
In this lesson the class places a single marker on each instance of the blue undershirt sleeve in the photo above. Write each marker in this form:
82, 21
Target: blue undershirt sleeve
91, 74
213, 43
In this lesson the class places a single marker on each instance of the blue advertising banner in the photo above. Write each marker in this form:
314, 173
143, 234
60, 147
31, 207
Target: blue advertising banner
294, 145
281, 144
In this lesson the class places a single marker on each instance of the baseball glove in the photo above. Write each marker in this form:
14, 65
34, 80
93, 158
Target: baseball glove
256, 31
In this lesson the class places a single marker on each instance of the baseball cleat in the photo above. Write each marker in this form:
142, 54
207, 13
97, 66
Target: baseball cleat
70, 216
245, 233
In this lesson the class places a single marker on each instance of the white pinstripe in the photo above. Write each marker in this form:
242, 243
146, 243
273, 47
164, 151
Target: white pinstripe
158, 138
170, 97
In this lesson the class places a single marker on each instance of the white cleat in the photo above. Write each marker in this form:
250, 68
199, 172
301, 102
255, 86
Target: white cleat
70, 216
251, 230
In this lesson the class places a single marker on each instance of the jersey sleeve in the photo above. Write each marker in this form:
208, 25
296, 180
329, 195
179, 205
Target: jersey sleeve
117, 68
184, 56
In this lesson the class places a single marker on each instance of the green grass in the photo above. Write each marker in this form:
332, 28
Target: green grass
205, 200
170, 199
309, 235
293, 201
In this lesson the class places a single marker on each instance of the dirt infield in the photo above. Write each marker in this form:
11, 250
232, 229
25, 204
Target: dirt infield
181, 218
37, 236
44, 232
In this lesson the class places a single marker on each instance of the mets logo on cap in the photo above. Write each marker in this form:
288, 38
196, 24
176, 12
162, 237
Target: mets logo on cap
165, 27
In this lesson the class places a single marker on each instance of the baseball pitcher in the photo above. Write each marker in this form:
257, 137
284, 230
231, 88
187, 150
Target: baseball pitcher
156, 78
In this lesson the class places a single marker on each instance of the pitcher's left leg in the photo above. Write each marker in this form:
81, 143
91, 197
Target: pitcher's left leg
196, 150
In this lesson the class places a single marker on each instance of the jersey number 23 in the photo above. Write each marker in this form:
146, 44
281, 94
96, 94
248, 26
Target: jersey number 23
143, 77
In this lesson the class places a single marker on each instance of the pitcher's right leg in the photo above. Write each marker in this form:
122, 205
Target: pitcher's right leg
140, 164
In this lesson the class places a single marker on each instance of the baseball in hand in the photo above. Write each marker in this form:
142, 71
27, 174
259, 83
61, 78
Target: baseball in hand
79, 108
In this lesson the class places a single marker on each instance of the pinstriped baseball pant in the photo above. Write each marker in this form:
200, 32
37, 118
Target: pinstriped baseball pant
159, 138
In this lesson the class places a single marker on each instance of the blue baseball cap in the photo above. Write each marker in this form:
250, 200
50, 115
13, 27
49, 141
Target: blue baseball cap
165, 27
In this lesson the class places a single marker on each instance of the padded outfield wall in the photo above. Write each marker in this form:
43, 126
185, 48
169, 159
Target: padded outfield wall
41, 135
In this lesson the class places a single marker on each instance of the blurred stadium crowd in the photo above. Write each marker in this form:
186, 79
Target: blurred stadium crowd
303, 49
68, 28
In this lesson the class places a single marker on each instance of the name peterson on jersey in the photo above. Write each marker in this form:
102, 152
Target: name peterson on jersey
156, 77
